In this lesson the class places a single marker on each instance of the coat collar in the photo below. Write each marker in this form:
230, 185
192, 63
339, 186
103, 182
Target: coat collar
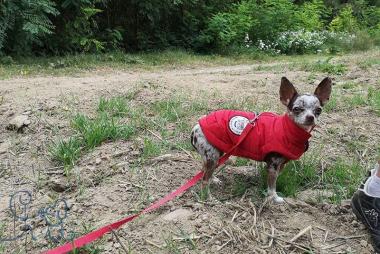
293, 131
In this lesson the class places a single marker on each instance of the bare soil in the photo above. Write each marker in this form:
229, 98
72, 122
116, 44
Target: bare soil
111, 186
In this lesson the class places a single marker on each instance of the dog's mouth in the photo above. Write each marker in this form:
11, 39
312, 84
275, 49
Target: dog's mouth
308, 127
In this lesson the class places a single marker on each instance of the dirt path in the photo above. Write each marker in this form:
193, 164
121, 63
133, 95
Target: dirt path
231, 225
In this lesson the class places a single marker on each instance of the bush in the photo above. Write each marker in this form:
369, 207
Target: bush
300, 42
260, 21
345, 21
309, 15
230, 29
343, 41
25, 23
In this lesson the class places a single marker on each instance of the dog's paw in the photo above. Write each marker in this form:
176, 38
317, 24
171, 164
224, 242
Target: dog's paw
275, 198
278, 200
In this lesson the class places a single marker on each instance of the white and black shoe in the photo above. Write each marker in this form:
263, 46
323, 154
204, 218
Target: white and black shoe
367, 210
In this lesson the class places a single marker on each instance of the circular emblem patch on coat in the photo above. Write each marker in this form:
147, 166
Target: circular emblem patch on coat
237, 124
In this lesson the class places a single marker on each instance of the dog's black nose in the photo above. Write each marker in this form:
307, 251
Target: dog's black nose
309, 119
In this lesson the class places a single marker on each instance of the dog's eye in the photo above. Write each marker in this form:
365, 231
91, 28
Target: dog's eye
318, 111
297, 110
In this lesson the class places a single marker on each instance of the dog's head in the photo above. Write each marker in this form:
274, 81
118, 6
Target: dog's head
304, 109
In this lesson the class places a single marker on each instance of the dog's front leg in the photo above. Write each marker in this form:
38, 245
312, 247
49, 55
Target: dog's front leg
275, 163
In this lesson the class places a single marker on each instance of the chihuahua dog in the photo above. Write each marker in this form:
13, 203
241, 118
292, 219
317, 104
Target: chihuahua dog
274, 139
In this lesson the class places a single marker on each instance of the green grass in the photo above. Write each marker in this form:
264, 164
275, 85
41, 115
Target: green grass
358, 99
343, 178
349, 85
326, 67
102, 128
356, 96
66, 152
297, 175
172, 246
2, 247
93, 248
152, 148
374, 100
165, 125
242, 162
355, 101
115, 107
332, 104
171, 110
178, 108
91, 132
368, 63
240, 185
71, 64
74, 64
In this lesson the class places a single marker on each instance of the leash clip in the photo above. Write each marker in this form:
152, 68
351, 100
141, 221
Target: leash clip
253, 121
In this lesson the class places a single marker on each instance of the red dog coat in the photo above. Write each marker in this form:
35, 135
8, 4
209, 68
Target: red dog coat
271, 133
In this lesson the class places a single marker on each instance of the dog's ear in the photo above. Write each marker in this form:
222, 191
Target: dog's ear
323, 90
287, 91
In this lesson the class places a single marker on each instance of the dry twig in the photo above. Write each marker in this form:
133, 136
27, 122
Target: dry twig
347, 237
120, 242
221, 247
301, 233
296, 245
234, 216
154, 244
271, 237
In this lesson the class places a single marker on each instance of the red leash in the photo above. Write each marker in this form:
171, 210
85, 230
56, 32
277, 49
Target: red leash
92, 236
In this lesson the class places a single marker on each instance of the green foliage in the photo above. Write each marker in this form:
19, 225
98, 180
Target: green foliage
372, 21
342, 178
345, 21
300, 42
231, 28
25, 23
78, 30
332, 103
309, 15
68, 26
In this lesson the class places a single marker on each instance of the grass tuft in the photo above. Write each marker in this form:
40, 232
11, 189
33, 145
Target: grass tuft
298, 175
355, 100
374, 100
90, 133
115, 107
343, 178
326, 67
172, 246
102, 128
332, 104
66, 152
151, 148
240, 185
